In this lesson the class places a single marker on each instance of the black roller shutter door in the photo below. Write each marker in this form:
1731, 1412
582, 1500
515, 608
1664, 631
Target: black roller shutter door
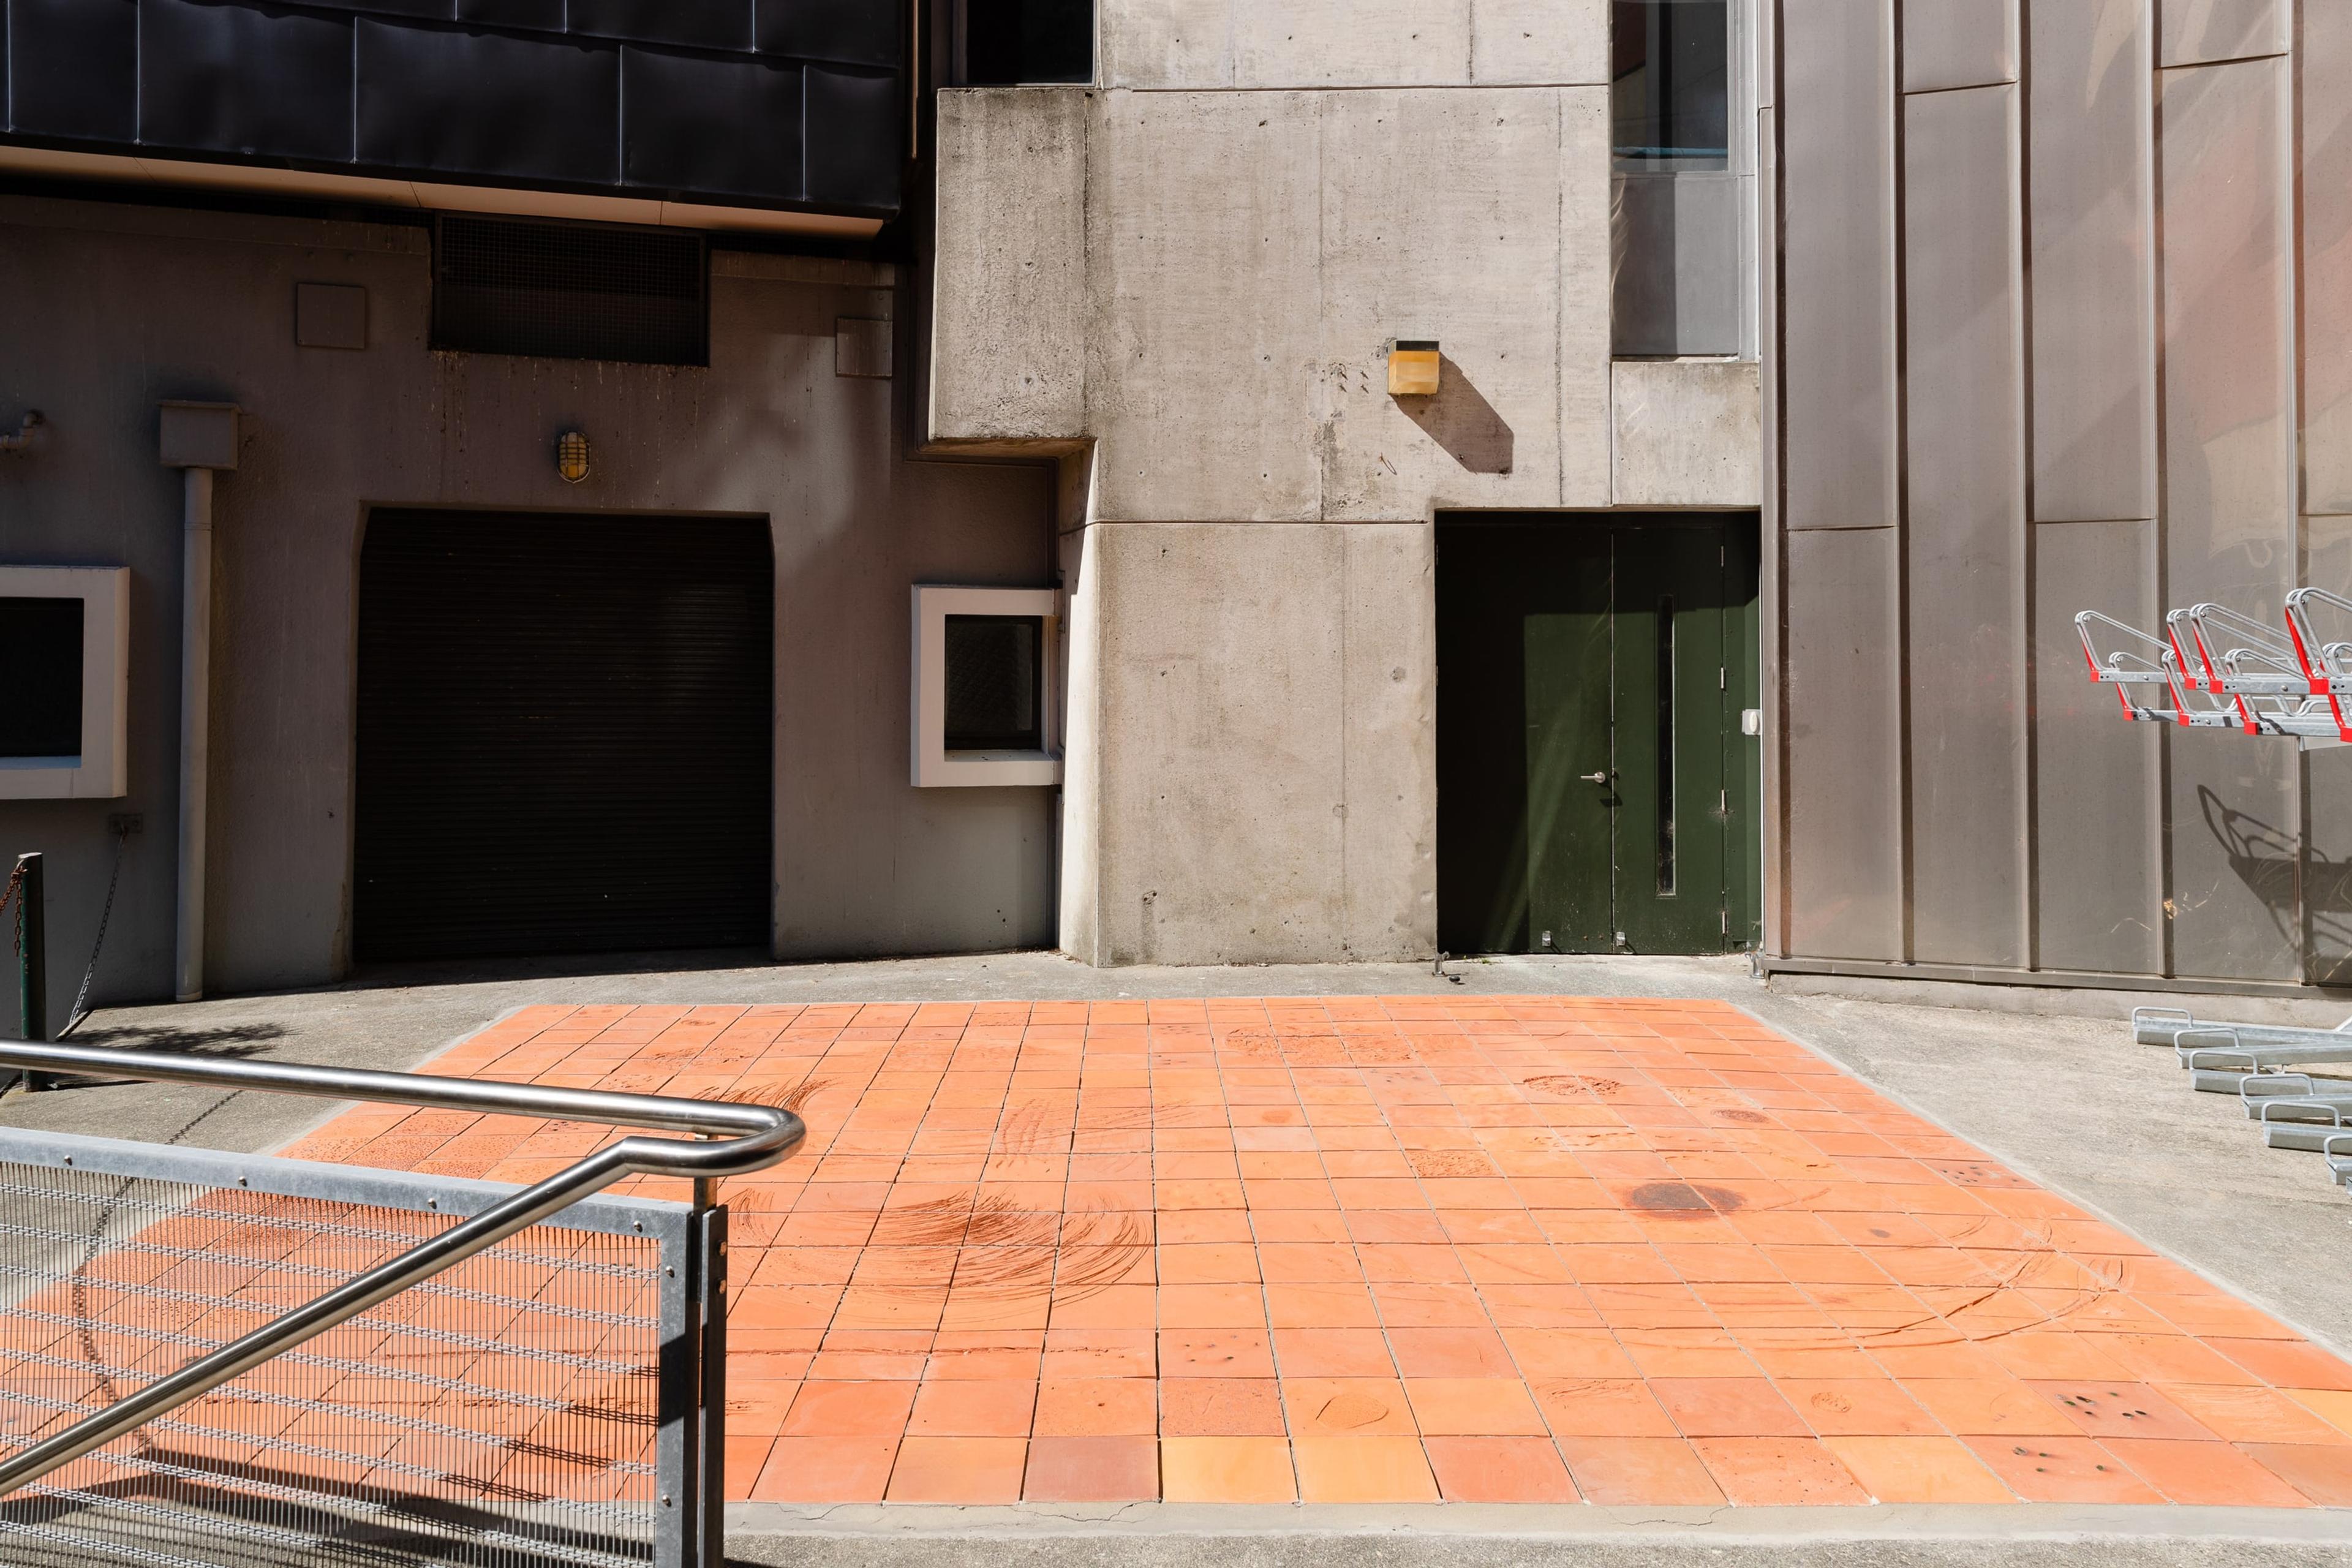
563, 735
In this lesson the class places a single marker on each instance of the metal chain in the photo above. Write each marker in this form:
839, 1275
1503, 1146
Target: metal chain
9, 896
78, 1014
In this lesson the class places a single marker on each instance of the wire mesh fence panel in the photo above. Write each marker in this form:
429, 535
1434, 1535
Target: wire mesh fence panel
503, 1415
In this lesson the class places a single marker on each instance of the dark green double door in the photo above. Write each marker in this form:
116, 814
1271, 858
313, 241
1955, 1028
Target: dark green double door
1596, 793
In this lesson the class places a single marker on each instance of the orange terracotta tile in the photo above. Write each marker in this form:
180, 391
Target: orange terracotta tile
1602, 1407
1332, 1352
2320, 1471
1363, 1469
1640, 1472
1986, 1407
1727, 1408
2106, 1410
2060, 1470
2289, 1364
2245, 1413
1858, 1407
1097, 1407
1759, 1472
1092, 1470
1498, 1470
1346, 1406
1918, 1469
1451, 1352
1473, 1407
958, 1470
1227, 1470
1220, 1407
828, 1470
849, 1410
968, 1409
2331, 1405
2209, 1473
1216, 1352
1768, 1248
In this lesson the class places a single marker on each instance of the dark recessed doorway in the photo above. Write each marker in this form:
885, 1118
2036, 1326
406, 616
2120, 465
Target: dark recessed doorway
1596, 791
564, 735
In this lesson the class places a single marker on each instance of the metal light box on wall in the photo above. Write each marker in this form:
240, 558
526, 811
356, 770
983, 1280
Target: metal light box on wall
983, 703
65, 643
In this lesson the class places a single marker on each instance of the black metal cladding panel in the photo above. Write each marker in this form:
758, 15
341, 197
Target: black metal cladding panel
431, 10
271, 83
570, 290
73, 68
547, 15
564, 738
702, 125
866, 31
853, 158
706, 24
483, 103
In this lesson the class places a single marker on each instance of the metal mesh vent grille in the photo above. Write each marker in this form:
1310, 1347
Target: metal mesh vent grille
570, 292
503, 1416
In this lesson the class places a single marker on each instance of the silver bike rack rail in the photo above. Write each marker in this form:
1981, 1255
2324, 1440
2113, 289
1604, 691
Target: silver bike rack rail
2221, 670
683, 1517
2294, 1110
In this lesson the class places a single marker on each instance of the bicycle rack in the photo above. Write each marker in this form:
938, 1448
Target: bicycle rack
2294, 1110
2225, 671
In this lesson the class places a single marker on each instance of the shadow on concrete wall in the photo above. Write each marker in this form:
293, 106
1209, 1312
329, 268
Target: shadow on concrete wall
1460, 419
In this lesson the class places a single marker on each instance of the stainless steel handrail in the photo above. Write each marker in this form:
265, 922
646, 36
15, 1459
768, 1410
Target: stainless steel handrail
749, 1138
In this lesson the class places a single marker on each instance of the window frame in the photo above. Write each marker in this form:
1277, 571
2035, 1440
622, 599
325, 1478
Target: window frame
931, 765
100, 770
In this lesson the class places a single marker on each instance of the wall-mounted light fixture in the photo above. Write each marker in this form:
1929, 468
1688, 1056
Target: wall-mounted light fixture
571, 456
1413, 367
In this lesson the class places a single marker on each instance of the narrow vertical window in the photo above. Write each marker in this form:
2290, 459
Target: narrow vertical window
1666, 745
1676, 224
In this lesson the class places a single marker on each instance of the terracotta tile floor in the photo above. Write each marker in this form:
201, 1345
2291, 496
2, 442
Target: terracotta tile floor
1482, 1249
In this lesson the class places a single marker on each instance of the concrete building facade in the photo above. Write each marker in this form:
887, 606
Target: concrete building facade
1801, 367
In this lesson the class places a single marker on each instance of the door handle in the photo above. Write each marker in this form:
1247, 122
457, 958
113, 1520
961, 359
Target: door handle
1600, 777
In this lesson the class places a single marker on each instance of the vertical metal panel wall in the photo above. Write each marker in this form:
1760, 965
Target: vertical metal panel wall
2059, 325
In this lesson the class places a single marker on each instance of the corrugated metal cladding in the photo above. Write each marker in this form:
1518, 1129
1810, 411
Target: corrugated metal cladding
565, 740
786, 103
1992, 414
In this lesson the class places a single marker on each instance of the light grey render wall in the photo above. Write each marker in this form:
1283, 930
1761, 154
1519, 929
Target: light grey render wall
116, 307
2108, 333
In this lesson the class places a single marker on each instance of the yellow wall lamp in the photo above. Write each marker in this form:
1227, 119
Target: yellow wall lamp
1413, 367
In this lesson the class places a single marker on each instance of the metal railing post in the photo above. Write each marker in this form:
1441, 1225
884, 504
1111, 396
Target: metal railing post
31, 934
709, 1231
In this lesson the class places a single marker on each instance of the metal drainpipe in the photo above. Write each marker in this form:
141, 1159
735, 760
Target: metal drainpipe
195, 724
198, 437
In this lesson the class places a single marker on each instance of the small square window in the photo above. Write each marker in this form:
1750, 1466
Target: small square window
983, 705
996, 686
63, 650
40, 702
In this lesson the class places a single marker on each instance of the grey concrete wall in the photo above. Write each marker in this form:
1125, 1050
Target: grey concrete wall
113, 307
1191, 273
1264, 771
2051, 328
